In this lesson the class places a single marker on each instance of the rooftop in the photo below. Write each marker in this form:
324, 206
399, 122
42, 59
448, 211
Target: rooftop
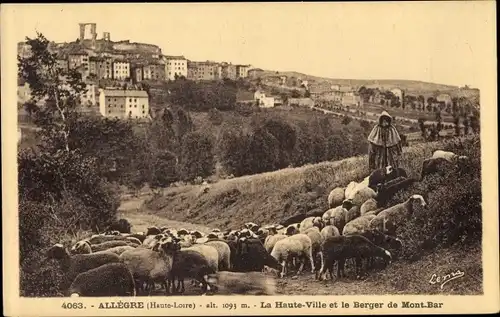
173, 57
124, 93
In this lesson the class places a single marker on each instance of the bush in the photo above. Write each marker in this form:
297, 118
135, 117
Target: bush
444, 224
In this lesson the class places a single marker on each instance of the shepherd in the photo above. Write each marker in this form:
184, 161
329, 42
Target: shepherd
384, 144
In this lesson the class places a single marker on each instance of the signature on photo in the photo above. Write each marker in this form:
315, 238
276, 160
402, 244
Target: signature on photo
443, 279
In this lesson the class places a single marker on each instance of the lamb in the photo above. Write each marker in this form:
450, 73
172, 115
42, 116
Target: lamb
112, 279
352, 214
72, 265
447, 155
271, 241
235, 283
209, 252
329, 231
299, 246
311, 222
83, 247
224, 253
367, 206
336, 197
189, 264
336, 217
342, 248
387, 220
151, 266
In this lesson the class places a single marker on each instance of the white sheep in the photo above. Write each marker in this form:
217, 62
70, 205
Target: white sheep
271, 241
360, 194
298, 246
236, 283
316, 240
336, 197
357, 225
447, 155
310, 222
387, 220
209, 252
367, 206
335, 216
112, 279
329, 231
224, 253
292, 229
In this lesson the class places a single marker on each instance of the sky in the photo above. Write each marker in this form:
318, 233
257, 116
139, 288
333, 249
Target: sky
440, 42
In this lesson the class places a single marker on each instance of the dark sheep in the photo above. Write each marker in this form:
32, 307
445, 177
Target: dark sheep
112, 279
293, 219
382, 240
233, 246
121, 225
252, 256
341, 248
388, 190
352, 214
383, 175
189, 264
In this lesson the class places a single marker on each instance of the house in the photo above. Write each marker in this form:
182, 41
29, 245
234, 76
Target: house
121, 69
204, 70
175, 66
228, 71
255, 73
62, 64
242, 71
122, 103
335, 87
444, 98
80, 62
352, 99
89, 98
137, 73
153, 71
264, 101
101, 67
398, 93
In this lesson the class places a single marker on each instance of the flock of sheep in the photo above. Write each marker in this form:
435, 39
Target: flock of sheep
357, 226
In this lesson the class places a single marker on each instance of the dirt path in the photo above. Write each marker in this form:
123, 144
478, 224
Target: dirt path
398, 278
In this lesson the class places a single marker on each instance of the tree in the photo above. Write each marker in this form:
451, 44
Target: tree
196, 157
421, 124
285, 135
346, 120
456, 122
55, 93
263, 152
307, 94
232, 151
164, 170
295, 93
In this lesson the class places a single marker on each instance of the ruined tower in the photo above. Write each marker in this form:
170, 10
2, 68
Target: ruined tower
106, 36
91, 33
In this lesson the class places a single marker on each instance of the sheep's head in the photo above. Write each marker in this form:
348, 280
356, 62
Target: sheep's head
319, 223
389, 169
57, 251
81, 247
153, 230
419, 198
182, 232
254, 228
196, 234
212, 235
393, 242
291, 230
347, 204
387, 256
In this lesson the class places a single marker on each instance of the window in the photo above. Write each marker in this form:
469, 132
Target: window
135, 106
142, 106
143, 112
130, 100
135, 100
109, 111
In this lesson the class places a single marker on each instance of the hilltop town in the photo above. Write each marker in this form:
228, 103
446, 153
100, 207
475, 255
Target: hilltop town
129, 80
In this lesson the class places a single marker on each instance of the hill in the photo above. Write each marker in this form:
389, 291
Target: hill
409, 85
